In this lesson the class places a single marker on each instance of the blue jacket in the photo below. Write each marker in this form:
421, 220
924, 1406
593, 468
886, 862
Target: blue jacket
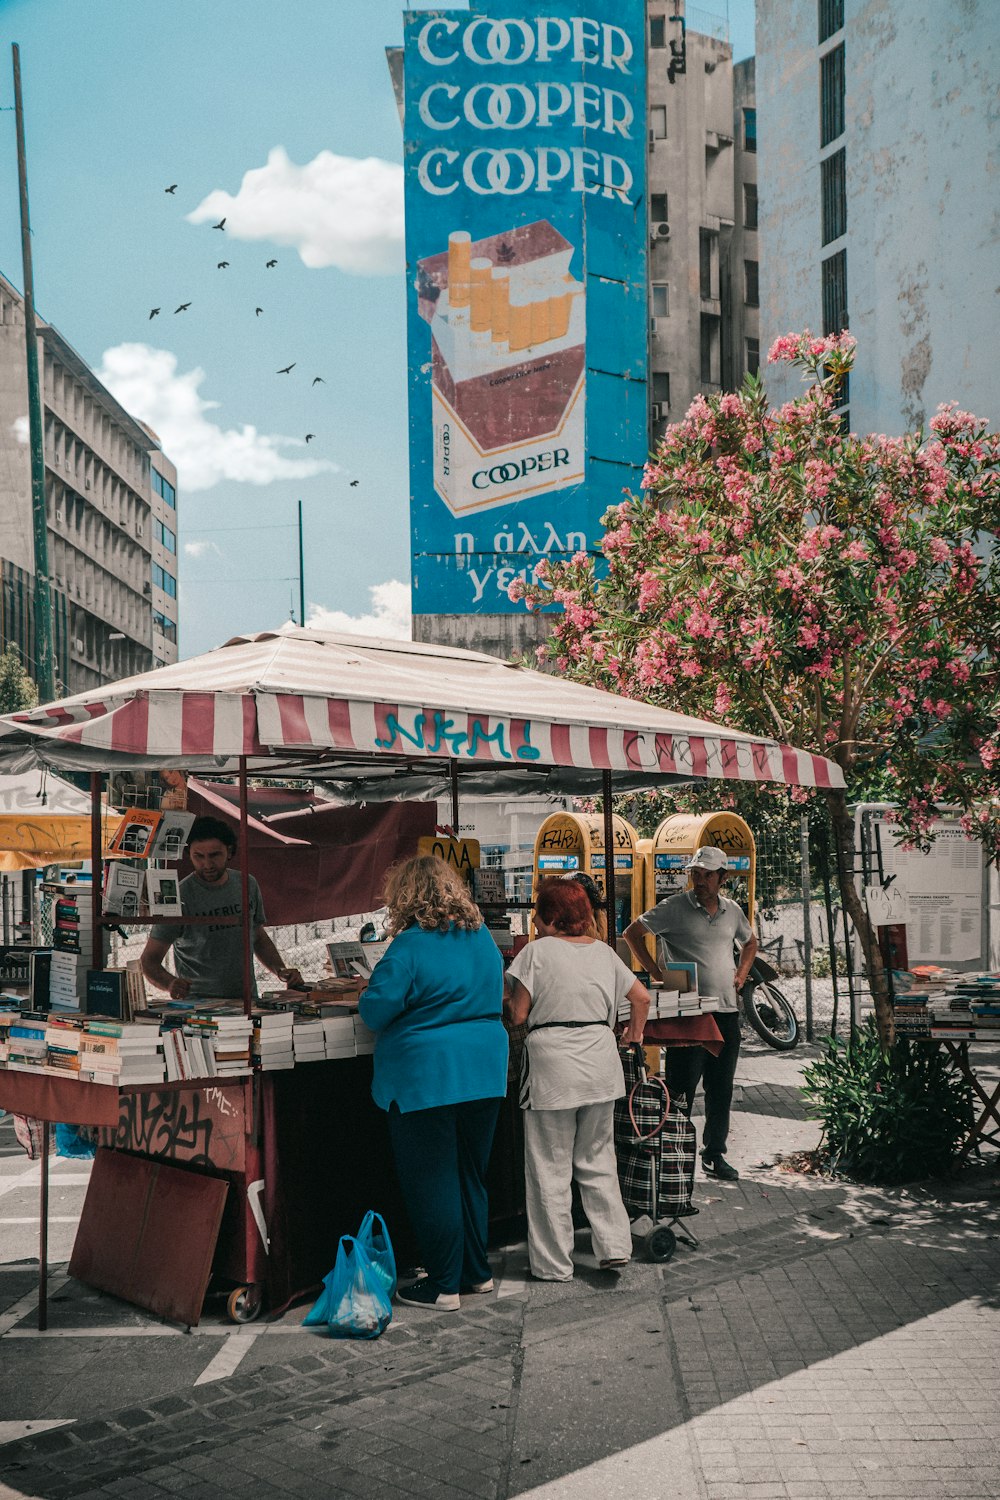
436, 1001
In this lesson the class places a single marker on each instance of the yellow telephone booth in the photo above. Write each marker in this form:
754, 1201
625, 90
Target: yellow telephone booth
677, 838
567, 842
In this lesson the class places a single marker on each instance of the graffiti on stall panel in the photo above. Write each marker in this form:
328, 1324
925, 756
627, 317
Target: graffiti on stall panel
437, 735
199, 1127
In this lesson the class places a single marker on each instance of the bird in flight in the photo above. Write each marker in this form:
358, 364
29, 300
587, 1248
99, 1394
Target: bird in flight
183, 308
222, 265
269, 263
171, 189
287, 370
318, 380
310, 436
221, 224
258, 311
154, 312
355, 483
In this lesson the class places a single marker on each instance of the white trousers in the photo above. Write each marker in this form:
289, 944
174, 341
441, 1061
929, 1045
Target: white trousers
560, 1145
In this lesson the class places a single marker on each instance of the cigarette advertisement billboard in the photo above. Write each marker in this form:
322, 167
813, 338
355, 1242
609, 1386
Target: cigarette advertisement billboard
526, 246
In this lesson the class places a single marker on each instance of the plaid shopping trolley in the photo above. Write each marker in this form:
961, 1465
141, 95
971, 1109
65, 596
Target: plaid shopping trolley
656, 1145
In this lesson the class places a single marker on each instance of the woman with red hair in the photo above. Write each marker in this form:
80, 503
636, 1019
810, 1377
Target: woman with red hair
567, 987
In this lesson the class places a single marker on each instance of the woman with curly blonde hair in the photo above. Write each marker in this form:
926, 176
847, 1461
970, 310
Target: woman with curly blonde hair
436, 999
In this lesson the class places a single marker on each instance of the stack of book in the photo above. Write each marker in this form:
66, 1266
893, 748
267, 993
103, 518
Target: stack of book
338, 1032
72, 943
672, 1005
27, 1051
120, 1052
912, 1016
224, 1038
308, 1039
62, 1042
364, 1039
272, 1040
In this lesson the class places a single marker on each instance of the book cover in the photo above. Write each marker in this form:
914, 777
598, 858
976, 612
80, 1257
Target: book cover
163, 893
122, 890
171, 836
135, 833
105, 993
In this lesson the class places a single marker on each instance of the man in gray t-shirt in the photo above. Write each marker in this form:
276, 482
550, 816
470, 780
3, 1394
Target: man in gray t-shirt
702, 926
208, 956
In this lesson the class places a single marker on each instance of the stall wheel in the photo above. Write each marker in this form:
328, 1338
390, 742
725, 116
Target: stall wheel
661, 1243
245, 1304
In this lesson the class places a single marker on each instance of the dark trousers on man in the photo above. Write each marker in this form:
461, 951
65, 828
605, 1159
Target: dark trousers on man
441, 1157
685, 1067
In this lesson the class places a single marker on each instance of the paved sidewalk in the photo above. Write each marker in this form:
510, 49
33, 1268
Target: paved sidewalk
823, 1340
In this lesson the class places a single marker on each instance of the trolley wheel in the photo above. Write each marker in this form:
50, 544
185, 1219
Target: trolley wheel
661, 1243
245, 1304
771, 1016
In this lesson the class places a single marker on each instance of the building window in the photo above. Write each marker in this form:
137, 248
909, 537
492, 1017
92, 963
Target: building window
749, 205
751, 278
750, 130
661, 299
705, 237
833, 179
657, 31
167, 628
753, 356
164, 536
831, 95
709, 349
831, 18
165, 581
835, 293
659, 208
658, 122
164, 489
661, 387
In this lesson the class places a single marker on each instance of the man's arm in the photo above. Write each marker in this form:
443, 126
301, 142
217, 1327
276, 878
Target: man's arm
635, 935
263, 946
151, 963
747, 955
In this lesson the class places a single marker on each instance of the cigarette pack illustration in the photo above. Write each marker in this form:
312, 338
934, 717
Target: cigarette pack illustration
508, 336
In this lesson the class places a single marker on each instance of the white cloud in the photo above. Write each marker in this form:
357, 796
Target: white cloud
336, 210
147, 383
390, 614
21, 428
200, 549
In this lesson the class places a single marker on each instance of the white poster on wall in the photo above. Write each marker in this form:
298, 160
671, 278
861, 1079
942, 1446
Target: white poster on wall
943, 893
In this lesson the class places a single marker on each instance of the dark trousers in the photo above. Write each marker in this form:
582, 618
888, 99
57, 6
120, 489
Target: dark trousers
685, 1067
441, 1158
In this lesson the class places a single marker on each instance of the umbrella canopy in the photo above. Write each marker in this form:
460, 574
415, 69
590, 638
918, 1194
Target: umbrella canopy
45, 821
385, 718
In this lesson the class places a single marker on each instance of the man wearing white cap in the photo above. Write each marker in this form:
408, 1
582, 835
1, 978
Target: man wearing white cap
702, 926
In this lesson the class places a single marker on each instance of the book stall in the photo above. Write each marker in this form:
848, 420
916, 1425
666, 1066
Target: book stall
951, 1009
221, 1121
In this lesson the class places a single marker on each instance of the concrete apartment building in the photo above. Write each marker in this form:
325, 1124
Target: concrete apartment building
704, 278
111, 496
880, 159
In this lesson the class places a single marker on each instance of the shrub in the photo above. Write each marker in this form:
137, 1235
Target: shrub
888, 1116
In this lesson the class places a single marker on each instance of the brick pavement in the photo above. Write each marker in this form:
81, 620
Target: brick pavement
823, 1340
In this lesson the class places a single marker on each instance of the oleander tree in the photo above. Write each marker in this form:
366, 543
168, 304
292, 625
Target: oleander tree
836, 592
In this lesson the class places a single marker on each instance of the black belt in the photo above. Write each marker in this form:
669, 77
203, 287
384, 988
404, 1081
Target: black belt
544, 1025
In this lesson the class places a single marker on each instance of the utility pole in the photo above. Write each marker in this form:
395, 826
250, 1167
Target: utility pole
302, 576
44, 667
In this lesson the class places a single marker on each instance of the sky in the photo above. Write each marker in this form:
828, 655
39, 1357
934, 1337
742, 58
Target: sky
282, 120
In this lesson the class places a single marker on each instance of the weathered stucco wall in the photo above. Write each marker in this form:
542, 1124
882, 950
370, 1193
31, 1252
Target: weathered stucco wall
923, 199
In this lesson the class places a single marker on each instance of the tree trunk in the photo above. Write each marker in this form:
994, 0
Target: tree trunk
843, 843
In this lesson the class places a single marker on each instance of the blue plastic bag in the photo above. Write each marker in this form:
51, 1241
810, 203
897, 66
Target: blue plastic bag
373, 1236
79, 1141
359, 1306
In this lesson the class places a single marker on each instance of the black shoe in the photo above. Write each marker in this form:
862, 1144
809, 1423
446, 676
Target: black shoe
424, 1294
717, 1166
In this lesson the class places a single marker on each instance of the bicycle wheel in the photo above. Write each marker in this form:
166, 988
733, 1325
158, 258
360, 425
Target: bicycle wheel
771, 1016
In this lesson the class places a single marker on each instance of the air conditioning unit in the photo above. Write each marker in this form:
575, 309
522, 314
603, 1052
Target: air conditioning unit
59, 517
147, 588
661, 411
659, 232
78, 646
652, 140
